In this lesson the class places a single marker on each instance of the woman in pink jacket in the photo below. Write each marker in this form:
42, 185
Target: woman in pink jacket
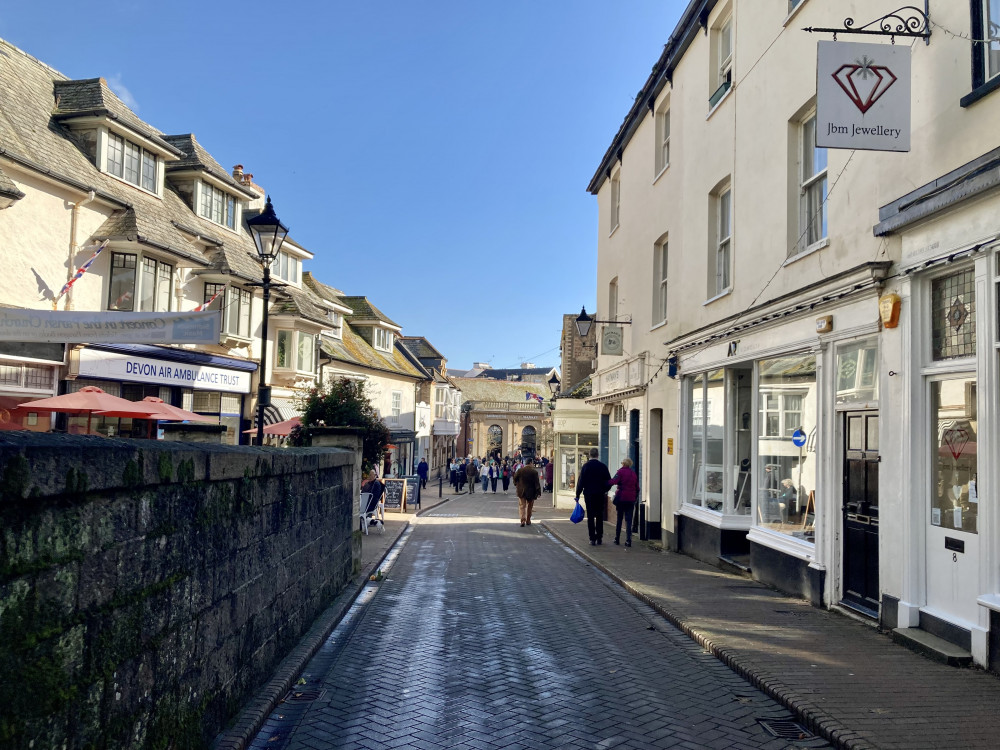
625, 499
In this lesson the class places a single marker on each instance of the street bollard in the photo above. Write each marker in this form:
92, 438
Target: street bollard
440, 485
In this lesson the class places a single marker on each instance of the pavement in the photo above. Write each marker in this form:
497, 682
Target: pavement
842, 678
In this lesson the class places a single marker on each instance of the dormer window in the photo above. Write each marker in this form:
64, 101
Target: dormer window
383, 340
130, 162
286, 267
336, 323
217, 205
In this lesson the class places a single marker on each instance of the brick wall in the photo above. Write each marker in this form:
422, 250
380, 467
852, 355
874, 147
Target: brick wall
148, 588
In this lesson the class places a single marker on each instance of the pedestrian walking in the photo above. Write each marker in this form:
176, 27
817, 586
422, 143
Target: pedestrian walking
494, 475
422, 470
528, 487
627, 482
472, 474
453, 474
593, 485
463, 473
484, 475
505, 476
549, 472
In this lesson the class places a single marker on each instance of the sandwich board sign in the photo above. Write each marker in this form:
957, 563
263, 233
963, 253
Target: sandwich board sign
863, 96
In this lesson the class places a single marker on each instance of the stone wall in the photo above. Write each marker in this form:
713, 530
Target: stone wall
147, 588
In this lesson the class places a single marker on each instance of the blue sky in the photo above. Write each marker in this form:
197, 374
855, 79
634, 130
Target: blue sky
433, 155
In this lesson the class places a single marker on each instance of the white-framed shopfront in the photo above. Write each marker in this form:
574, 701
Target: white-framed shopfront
575, 431
791, 398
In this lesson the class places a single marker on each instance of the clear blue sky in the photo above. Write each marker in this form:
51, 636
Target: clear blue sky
434, 155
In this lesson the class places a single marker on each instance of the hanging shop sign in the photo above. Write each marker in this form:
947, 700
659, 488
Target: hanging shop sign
84, 327
863, 96
611, 341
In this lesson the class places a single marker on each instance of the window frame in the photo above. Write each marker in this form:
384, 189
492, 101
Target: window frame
808, 185
982, 82
161, 295
217, 206
382, 339
616, 200
662, 155
723, 242
145, 163
661, 262
395, 406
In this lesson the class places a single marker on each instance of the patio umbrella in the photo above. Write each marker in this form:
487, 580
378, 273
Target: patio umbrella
278, 428
90, 399
167, 412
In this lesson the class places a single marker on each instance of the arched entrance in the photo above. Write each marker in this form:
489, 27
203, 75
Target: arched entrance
494, 442
528, 439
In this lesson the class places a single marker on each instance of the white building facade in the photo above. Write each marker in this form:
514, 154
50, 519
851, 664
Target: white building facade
782, 426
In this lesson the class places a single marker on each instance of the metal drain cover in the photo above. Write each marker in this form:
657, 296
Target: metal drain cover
786, 730
302, 696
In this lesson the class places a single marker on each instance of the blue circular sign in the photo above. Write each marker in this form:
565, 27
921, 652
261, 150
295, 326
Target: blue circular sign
799, 438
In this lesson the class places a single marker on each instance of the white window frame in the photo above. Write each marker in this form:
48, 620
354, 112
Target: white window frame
382, 340
810, 183
396, 408
294, 339
725, 70
116, 153
160, 294
616, 200
336, 324
661, 258
662, 160
782, 412
723, 249
217, 206
613, 299
287, 267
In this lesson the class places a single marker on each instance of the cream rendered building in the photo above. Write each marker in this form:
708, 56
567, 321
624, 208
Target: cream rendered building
799, 439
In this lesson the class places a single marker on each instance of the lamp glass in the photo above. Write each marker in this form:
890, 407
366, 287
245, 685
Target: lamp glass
268, 233
583, 323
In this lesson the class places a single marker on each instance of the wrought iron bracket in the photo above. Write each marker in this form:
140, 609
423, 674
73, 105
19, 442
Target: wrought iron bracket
908, 21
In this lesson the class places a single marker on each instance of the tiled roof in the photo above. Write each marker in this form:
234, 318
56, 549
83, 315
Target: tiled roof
324, 291
365, 310
8, 188
420, 347
293, 301
196, 157
93, 97
480, 389
519, 371
353, 349
32, 138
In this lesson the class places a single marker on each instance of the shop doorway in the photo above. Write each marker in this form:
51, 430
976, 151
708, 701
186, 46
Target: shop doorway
860, 508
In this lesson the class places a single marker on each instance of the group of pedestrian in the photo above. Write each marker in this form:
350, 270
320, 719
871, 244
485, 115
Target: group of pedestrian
593, 483
491, 473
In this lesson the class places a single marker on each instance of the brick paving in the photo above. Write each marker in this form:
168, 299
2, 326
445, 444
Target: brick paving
843, 678
487, 635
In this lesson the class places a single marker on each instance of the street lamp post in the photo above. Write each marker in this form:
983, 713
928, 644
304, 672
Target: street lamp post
268, 235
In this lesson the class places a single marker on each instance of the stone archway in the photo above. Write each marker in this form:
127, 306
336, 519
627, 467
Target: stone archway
494, 441
529, 438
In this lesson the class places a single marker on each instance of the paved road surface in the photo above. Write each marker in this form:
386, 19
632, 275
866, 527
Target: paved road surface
487, 635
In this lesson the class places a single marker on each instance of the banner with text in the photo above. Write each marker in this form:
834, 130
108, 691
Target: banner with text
94, 363
83, 327
863, 96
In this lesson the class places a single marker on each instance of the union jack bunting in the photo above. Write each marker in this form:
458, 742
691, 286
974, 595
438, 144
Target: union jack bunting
528, 396
81, 270
205, 305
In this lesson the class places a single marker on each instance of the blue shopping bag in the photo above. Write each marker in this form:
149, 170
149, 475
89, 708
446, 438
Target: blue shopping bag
577, 514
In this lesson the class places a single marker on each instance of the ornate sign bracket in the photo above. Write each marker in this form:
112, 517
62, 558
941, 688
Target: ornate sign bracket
907, 21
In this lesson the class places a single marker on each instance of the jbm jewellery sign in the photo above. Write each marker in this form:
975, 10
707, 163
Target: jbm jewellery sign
863, 96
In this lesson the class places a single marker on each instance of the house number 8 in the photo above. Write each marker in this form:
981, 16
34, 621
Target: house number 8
954, 557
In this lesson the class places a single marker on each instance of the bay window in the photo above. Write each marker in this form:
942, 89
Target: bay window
295, 350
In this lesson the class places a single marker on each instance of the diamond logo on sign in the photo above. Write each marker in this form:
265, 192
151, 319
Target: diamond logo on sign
955, 440
864, 82
863, 96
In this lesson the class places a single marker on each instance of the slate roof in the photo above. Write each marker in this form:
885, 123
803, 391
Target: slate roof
34, 139
480, 389
365, 310
353, 349
420, 347
92, 96
324, 291
197, 158
8, 188
293, 301
504, 374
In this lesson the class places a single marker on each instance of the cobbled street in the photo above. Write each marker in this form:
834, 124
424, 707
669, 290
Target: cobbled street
487, 635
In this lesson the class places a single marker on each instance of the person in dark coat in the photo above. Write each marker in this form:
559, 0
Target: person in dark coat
422, 469
528, 487
628, 493
463, 475
593, 485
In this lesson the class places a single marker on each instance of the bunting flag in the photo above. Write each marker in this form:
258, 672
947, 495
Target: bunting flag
80, 271
205, 305
528, 396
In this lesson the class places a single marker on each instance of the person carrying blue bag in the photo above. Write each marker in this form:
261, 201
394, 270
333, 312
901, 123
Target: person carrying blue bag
593, 485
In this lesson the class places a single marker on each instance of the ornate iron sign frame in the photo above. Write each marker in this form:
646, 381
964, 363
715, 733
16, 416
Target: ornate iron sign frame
907, 21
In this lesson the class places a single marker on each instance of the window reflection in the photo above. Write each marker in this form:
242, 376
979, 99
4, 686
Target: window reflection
954, 492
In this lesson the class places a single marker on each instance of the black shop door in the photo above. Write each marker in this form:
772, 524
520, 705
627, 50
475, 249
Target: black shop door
861, 591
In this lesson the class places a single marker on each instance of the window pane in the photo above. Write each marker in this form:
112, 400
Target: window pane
857, 378
786, 448
953, 307
231, 212
725, 204
715, 414
147, 286
243, 327
148, 171
305, 358
116, 145
164, 275
132, 162
954, 492
122, 287
206, 200
696, 421
991, 25
284, 345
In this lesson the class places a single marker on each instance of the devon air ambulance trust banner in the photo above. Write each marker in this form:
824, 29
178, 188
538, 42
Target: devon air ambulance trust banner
63, 327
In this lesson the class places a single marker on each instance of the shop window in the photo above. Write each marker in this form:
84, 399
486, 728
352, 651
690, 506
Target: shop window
857, 372
953, 311
955, 426
571, 454
786, 449
706, 426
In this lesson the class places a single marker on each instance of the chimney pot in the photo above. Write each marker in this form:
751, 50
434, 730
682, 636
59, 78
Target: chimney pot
238, 172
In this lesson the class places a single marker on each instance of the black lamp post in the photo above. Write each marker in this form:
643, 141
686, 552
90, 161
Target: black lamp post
554, 384
268, 235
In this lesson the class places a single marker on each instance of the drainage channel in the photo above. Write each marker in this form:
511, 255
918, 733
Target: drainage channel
278, 727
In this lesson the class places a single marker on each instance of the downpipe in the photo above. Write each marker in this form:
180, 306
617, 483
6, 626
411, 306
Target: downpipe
74, 248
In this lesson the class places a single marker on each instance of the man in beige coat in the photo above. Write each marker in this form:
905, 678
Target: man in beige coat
528, 487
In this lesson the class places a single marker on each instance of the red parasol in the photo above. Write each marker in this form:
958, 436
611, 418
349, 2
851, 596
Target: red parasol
277, 428
167, 412
90, 399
